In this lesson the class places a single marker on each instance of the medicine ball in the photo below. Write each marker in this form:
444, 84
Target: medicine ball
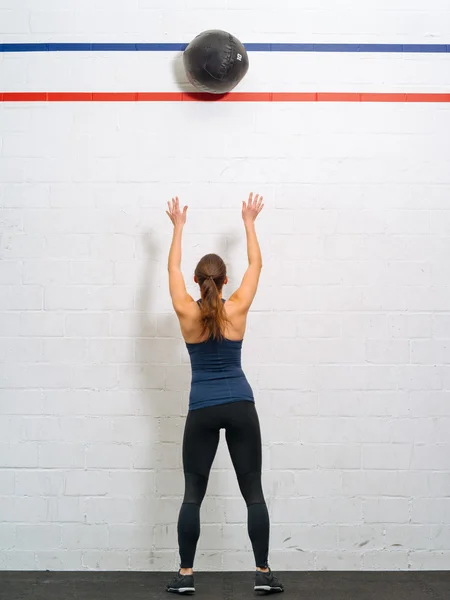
215, 62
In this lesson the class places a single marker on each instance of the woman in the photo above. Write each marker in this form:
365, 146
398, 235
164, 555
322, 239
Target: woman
220, 397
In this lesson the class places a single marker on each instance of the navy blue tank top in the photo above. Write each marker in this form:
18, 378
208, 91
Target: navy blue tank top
217, 375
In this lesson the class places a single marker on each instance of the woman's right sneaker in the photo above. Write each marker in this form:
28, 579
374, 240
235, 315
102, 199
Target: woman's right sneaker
267, 582
182, 584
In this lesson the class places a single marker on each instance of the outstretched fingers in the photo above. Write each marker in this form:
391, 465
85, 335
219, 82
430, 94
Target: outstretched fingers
260, 204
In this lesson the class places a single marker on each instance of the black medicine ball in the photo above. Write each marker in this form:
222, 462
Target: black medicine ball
215, 62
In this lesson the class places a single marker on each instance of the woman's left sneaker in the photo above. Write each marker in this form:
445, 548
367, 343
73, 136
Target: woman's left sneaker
182, 584
267, 582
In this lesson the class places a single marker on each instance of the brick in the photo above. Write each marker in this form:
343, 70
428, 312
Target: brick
61, 455
158, 351
388, 352
420, 378
171, 428
131, 536
389, 560
384, 403
428, 456
116, 561
64, 350
409, 326
128, 429
64, 509
430, 510
430, 352
87, 483
290, 403
394, 484
109, 456
82, 537
124, 324
21, 376
409, 535
39, 536
67, 246
15, 559
96, 377
386, 510
141, 483
8, 535
18, 454
94, 272
107, 510
360, 325
429, 559
7, 483
87, 325
41, 429
11, 219
86, 429
42, 324
23, 509
364, 537
338, 561
11, 272
386, 456
143, 560
141, 377
298, 456
113, 298
408, 222
9, 324
58, 560
234, 537
333, 456
21, 350
169, 483
441, 326
112, 247
27, 298
45, 272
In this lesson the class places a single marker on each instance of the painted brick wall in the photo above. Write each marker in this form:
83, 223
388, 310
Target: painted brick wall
348, 342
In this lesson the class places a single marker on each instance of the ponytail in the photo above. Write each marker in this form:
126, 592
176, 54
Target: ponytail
211, 274
213, 317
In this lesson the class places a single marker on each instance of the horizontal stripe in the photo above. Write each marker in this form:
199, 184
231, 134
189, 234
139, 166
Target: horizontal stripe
233, 97
251, 47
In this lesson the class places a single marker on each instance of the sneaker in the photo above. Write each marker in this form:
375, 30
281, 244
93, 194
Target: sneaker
267, 582
182, 584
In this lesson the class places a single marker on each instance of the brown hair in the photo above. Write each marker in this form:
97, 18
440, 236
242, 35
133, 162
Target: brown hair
211, 273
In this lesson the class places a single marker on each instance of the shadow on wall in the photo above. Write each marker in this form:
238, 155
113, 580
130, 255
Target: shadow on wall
164, 377
158, 363
179, 74
184, 85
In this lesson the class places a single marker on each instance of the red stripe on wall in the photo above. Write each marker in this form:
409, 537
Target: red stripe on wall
233, 97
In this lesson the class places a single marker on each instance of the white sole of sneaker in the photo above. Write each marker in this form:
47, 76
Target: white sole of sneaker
267, 588
182, 590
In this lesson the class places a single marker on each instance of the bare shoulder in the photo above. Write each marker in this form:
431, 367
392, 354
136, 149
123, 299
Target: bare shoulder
237, 316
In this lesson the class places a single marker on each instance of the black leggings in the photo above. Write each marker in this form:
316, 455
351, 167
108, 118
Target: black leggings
201, 438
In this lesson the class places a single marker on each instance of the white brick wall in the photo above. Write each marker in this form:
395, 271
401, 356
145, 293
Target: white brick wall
348, 342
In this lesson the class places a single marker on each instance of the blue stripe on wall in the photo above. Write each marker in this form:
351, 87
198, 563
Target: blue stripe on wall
113, 47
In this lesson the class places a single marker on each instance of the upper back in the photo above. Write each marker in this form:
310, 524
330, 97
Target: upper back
191, 327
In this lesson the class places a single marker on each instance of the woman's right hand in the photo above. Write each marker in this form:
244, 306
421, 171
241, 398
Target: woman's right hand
252, 208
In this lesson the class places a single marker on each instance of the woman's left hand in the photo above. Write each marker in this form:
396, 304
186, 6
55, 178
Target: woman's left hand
174, 213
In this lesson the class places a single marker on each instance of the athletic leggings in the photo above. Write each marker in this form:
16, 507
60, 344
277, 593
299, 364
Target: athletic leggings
201, 438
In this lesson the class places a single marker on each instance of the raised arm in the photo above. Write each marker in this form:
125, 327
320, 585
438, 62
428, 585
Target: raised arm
181, 300
246, 292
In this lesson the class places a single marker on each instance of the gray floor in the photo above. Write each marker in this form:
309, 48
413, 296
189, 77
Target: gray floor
225, 586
